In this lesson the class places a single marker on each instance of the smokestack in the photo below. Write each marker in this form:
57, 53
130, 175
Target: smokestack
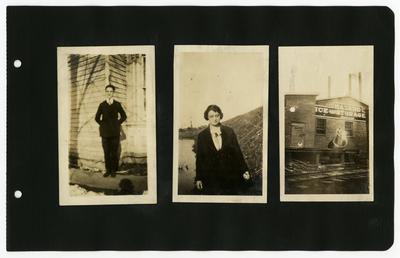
349, 93
329, 87
359, 86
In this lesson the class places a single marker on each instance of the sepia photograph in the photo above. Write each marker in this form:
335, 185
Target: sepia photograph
106, 124
220, 124
326, 123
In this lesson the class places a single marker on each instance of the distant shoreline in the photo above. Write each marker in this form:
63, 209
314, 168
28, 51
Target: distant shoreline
190, 133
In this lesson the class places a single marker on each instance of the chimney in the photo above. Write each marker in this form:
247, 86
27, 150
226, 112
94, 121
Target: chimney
349, 93
359, 86
329, 87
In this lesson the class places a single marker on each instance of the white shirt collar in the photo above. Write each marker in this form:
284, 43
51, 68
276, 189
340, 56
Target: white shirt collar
216, 137
215, 130
110, 101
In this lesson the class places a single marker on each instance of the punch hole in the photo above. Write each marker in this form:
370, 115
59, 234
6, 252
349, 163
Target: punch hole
17, 63
17, 194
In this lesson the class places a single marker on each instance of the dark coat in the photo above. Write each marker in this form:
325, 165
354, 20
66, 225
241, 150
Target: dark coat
107, 118
221, 169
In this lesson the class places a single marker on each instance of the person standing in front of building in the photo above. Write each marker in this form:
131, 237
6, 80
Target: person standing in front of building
220, 165
110, 115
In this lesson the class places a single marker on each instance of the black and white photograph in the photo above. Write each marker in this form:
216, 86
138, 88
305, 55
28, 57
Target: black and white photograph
220, 123
326, 123
107, 137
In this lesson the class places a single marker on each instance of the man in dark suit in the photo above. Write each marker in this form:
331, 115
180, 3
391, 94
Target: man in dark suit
220, 165
110, 126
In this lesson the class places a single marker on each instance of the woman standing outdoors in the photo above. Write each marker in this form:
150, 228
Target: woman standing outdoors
220, 165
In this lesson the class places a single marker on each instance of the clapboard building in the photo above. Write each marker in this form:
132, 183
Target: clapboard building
89, 74
326, 131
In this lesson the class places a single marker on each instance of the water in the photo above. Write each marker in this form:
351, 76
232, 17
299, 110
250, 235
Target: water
187, 166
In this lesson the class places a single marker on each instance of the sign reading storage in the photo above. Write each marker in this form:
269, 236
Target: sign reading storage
339, 110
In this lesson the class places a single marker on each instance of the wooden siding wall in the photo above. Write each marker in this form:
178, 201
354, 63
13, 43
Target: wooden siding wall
304, 113
359, 140
89, 74
136, 122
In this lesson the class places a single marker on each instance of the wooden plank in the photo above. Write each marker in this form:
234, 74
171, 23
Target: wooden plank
82, 66
94, 140
115, 59
118, 66
90, 91
99, 68
81, 120
78, 140
88, 153
97, 93
92, 87
97, 87
118, 80
91, 151
85, 152
83, 60
96, 144
118, 94
93, 108
120, 69
84, 75
98, 158
117, 73
83, 79
120, 97
82, 57
120, 57
73, 60
89, 98
81, 83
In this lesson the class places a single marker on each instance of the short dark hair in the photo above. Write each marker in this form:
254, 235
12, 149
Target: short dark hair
214, 108
110, 86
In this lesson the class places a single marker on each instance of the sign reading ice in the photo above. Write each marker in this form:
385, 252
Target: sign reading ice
341, 110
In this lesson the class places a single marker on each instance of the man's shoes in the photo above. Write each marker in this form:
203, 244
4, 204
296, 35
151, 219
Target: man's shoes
113, 174
106, 174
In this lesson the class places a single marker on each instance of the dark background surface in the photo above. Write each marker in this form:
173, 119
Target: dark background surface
37, 222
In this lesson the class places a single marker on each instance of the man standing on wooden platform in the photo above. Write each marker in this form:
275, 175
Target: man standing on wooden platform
110, 126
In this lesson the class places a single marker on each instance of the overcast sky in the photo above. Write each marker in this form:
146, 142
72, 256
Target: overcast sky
308, 68
233, 81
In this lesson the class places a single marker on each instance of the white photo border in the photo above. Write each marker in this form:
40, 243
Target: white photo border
324, 197
178, 50
150, 197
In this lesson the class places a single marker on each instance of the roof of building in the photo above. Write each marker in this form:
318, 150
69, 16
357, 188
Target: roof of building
343, 97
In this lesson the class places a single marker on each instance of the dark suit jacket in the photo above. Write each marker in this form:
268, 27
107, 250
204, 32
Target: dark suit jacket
226, 164
107, 118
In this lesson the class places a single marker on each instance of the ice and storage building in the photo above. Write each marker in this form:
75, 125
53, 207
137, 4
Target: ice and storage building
326, 131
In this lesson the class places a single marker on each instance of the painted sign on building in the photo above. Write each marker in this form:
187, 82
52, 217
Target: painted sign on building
339, 110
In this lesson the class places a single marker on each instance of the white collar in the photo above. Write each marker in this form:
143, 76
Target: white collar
215, 129
110, 101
